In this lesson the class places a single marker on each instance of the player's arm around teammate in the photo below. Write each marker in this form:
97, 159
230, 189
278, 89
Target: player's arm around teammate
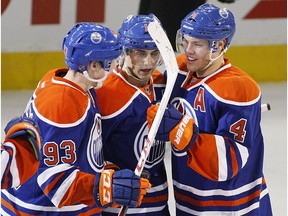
20, 152
70, 178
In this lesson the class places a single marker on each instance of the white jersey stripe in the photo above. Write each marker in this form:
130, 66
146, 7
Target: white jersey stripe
4, 213
13, 167
244, 153
224, 213
136, 210
217, 213
222, 161
60, 193
41, 208
219, 192
4, 162
158, 188
44, 176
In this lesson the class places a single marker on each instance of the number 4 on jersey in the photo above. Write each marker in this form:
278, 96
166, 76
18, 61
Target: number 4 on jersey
238, 129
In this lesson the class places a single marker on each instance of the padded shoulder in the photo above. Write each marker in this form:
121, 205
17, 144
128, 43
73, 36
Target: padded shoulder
112, 89
182, 62
234, 84
62, 103
158, 77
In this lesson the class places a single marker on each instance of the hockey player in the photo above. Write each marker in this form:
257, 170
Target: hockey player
70, 179
123, 101
218, 165
20, 152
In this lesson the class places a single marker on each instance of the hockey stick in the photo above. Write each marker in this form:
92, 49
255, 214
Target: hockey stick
265, 107
167, 53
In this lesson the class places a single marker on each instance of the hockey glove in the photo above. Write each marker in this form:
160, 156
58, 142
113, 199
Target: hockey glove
25, 128
121, 187
180, 130
110, 165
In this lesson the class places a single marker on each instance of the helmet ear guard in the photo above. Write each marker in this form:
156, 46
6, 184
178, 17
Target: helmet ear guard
106, 64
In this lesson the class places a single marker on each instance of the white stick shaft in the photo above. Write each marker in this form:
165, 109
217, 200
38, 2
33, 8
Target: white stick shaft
265, 107
167, 52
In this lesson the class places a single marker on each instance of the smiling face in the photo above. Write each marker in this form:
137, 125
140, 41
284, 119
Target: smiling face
142, 63
197, 52
200, 58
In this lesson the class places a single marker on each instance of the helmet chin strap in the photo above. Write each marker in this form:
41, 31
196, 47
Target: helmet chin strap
129, 73
211, 60
98, 81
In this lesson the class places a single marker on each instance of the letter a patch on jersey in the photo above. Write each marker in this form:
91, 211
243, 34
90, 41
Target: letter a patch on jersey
199, 100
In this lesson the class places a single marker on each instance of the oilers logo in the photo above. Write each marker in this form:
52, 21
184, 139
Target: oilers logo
95, 146
96, 37
157, 150
185, 108
223, 13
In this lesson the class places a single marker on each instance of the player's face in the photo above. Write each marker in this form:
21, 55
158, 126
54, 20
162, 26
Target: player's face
143, 62
197, 53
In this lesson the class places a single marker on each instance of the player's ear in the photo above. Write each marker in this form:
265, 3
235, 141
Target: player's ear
93, 65
90, 66
222, 44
